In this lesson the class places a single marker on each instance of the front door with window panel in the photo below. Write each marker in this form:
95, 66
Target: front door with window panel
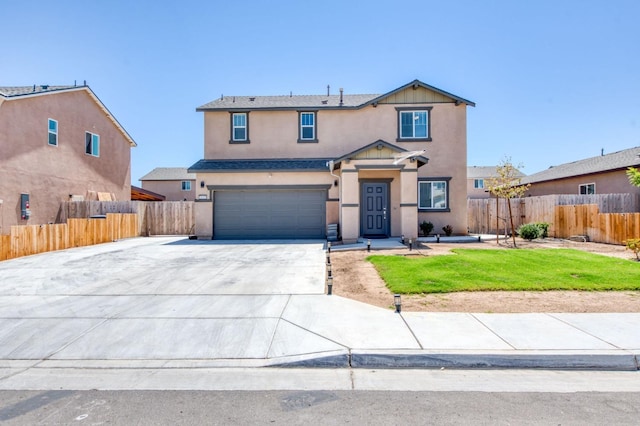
375, 209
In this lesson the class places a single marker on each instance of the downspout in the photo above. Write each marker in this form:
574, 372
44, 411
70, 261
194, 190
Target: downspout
331, 165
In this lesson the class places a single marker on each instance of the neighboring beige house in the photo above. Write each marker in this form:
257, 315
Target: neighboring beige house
375, 165
175, 183
478, 180
58, 143
604, 174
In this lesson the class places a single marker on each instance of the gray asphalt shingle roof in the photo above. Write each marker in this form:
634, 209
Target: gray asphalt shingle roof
602, 163
226, 103
11, 91
169, 173
289, 164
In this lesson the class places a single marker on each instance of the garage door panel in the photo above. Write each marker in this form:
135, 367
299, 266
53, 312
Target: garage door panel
269, 214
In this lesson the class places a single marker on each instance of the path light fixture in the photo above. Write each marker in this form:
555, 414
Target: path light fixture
328, 259
437, 238
328, 246
397, 302
368, 245
402, 239
329, 270
410, 244
329, 285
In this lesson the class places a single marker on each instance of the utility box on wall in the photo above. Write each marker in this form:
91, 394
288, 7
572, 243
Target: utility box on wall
25, 211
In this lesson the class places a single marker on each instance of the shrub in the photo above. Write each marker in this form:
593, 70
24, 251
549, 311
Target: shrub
544, 229
448, 230
529, 231
426, 228
634, 246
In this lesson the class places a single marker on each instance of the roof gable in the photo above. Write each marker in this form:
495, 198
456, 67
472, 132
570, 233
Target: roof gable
619, 160
12, 93
377, 150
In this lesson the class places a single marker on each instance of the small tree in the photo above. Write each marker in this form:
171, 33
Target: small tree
634, 176
507, 185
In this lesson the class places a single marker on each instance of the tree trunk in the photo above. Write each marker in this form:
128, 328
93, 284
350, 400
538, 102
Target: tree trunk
497, 220
513, 232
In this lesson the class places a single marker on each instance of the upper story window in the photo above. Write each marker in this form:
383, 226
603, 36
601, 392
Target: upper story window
53, 132
414, 124
92, 144
186, 185
433, 194
240, 127
587, 189
308, 128
478, 183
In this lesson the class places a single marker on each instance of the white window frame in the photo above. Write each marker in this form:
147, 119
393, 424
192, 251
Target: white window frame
414, 116
234, 126
478, 183
430, 205
586, 188
186, 185
52, 132
311, 126
92, 144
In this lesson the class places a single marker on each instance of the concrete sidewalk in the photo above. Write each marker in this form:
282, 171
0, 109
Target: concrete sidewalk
177, 303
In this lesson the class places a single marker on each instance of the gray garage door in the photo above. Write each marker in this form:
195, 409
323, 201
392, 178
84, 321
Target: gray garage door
269, 214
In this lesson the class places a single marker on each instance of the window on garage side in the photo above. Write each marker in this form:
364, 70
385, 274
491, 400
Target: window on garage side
92, 144
433, 194
239, 127
308, 129
53, 132
587, 189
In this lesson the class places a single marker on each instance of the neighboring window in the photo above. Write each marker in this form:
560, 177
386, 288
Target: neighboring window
53, 132
587, 189
92, 144
478, 183
307, 126
186, 185
413, 124
433, 195
240, 127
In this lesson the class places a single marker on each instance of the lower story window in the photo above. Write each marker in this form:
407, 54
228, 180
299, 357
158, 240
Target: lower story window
587, 189
186, 185
478, 183
433, 195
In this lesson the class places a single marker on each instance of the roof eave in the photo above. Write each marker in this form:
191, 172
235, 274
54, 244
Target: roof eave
417, 83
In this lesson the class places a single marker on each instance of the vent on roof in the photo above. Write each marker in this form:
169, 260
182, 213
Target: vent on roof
324, 102
252, 99
44, 86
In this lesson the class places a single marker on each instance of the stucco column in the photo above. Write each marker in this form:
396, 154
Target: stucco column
203, 211
350, 226
409, 203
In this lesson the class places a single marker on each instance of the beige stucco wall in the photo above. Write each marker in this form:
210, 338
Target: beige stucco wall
171, 189
49, 174
614, 182
274, 134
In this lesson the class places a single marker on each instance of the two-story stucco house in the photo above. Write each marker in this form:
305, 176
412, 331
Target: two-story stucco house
58, 143
175, 183
375, 165
479, 178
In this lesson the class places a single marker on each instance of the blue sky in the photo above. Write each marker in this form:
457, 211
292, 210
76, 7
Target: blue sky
554, 81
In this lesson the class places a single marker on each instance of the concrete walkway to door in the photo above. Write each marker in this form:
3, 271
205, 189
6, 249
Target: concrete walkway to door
169, 302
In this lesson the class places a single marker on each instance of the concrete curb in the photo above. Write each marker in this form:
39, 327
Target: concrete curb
594, 360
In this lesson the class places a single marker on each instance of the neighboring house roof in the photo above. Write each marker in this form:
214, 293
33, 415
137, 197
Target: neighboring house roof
21, 92
290, 164
227, 103
169, 173
484, 172
602, 163
140, 194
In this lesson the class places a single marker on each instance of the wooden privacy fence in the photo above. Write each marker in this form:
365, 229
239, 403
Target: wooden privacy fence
154, 218
26, 240
607, 218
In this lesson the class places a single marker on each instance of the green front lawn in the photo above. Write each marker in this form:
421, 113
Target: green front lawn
521, 269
